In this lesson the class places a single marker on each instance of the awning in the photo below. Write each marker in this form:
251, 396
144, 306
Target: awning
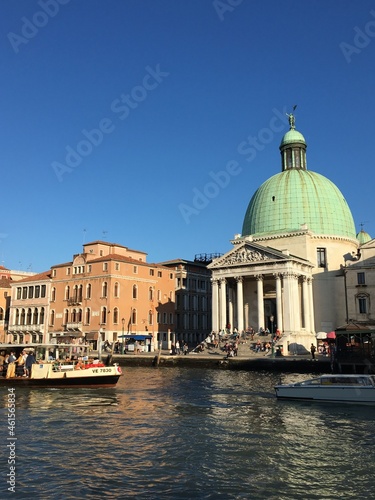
135, 337
321, 335
92, 336
71, 334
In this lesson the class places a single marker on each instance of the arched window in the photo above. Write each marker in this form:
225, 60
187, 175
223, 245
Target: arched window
104, 289
41, 316
74, 316
115, 315
150, 317
1, 314
88, 316
17, 321
23, 317
52, 319
28, 318
53, 294
67, 292
35, 316
79, 316
66, 316
116, 290
88, 291
150, 293
75, 293
135, 292
80, 293
104, 316
134, 316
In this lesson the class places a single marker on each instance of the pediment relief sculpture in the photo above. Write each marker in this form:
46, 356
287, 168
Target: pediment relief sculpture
242, 256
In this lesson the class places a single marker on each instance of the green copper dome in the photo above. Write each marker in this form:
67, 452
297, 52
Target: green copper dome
297, 197
292, 136
363, 237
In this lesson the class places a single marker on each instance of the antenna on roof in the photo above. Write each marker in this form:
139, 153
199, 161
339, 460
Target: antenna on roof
84, 237
362, 224
104, 234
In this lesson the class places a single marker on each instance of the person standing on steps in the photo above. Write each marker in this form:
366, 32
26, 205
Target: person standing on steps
312, 350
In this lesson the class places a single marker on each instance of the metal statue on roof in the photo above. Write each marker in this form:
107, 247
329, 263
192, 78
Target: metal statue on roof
292, 118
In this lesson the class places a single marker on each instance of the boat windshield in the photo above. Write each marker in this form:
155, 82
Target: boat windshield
348, 380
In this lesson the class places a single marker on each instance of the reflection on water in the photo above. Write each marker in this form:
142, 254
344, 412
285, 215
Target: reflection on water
190, 433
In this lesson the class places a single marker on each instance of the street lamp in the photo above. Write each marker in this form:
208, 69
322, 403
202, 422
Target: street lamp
272, 318
123, 337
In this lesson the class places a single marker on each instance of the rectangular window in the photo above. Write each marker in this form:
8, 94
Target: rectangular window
159, 274
31, 292
43, 294
37, 291
321, 256
361, 279
19, 292
24, 292
135, 269
105, 266
54, 273
117, 266
68, 270
362, 303
151, 272
89, 268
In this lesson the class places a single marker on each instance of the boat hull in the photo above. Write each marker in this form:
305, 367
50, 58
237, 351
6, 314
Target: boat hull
99, 381
329, 394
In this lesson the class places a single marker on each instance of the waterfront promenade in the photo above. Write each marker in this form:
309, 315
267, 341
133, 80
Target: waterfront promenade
215, 358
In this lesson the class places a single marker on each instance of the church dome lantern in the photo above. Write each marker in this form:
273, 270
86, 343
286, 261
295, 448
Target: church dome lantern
297, 197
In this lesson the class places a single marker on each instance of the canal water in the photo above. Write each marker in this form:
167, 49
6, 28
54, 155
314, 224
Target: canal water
172, 433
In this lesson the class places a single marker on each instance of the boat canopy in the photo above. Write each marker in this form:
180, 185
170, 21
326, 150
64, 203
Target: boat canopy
135, 337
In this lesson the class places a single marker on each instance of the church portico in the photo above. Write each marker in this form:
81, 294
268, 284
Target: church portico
260, 287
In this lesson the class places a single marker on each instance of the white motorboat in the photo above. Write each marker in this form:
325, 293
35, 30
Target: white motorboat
331, 388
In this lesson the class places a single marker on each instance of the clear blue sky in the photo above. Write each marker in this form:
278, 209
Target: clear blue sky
176, 87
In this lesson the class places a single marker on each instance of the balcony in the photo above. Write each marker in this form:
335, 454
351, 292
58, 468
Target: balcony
75, 301
74, 327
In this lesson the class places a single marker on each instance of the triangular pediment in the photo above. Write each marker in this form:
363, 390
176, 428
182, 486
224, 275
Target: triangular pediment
247, 254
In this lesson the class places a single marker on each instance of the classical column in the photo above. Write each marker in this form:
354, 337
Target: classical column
311, 300
297, 298
246, 315
292, 321
306, 304
230, 307
215, 305
240, 326
223, 303
261, 323
279, 308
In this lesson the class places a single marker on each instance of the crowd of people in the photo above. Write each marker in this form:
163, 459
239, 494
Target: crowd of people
229, 342
16, 366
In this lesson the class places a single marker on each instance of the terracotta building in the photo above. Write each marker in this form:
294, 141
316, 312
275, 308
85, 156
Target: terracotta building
29, 309
5, 292
105, 292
